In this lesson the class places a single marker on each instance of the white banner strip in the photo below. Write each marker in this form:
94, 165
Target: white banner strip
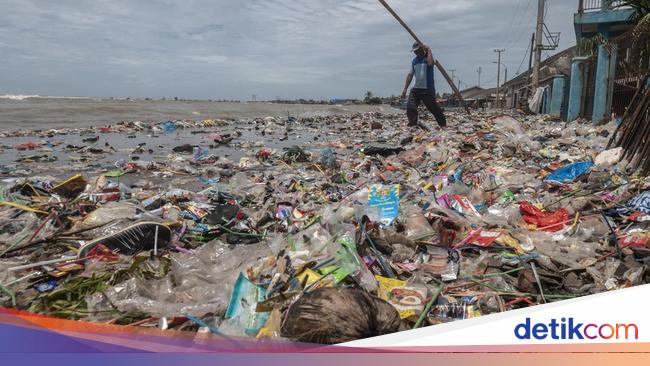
613, 317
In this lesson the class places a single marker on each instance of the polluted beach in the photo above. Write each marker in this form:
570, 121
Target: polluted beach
497, 213
333, 221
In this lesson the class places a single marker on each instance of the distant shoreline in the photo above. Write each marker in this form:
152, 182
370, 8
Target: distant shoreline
20, 97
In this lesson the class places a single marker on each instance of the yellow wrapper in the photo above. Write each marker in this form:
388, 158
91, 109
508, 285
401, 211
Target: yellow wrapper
409, 301
511, 242
312, 277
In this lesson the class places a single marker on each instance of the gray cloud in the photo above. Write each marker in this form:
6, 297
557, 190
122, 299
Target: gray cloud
232, 49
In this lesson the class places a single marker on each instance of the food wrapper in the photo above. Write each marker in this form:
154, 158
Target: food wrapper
484, 238
386, 200
463, 205
409, 301
308, 277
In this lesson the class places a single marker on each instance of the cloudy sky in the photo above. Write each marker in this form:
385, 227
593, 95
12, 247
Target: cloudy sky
233, 49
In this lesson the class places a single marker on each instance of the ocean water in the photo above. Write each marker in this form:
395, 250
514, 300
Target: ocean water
28, 112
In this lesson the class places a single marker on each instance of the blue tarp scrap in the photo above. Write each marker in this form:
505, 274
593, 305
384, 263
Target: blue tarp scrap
570, 173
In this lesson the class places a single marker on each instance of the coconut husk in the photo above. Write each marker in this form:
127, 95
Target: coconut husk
337, 315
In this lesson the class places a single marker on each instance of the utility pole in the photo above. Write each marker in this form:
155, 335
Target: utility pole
539, 46
505, 79
499, 51
530, 57
452, 76
480, 70
530, 66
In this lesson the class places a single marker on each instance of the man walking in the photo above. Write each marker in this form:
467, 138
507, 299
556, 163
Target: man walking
424, 89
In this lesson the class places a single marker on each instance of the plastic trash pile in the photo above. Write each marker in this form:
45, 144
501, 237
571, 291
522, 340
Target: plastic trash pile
365, 229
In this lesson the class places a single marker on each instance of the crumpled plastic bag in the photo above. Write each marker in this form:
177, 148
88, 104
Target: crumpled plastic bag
549, 221
609, 157
168, 127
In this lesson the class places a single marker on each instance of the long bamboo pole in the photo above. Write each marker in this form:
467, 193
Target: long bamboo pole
437, 63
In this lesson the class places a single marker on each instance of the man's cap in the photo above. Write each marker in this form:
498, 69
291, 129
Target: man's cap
416, 46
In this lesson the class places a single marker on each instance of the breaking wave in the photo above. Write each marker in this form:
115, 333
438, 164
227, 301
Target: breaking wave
23, 97
18, 97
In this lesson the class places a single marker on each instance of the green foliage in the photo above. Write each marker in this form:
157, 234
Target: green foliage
589, 46
374, 100
371, 99
68, 300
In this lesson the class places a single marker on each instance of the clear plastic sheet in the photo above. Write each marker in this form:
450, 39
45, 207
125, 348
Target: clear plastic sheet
15, 226
417, 226
198, 283
511, 128
569, 251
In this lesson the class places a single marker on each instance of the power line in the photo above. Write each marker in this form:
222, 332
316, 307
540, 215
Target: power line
491, 80
521, 20
512, 21
523, 59
511, 30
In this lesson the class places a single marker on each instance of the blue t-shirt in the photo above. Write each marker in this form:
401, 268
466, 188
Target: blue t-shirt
423, 74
